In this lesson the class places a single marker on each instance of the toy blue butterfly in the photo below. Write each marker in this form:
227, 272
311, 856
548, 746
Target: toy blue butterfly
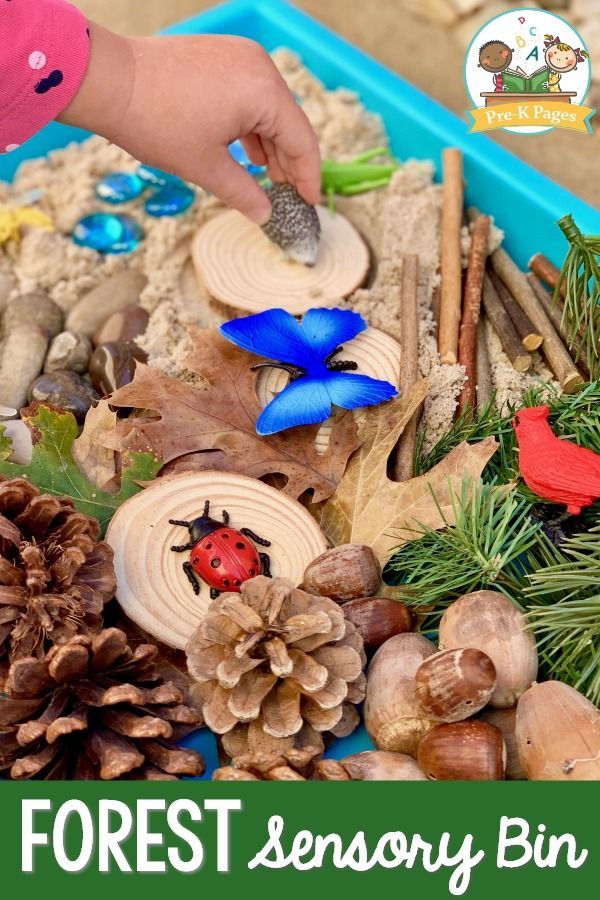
307, 351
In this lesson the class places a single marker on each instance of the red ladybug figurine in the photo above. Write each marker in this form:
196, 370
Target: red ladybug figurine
221, 556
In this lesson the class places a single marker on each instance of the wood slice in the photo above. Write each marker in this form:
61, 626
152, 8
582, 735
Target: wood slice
240, 266
376, 354
152, 587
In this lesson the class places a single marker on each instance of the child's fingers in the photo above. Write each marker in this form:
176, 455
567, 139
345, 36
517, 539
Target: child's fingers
276, 170
298, 150
254, 148
236, 188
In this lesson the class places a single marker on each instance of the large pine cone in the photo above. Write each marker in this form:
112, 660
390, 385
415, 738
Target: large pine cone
291, 765
94, 708
55, 576
276, 668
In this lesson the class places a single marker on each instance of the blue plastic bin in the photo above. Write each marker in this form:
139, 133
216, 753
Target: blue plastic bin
524, 203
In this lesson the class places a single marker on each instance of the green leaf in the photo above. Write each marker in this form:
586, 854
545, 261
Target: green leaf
54, 471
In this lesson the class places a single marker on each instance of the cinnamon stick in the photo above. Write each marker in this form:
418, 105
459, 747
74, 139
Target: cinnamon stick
530, 338
504, 328
555, 353
451, 255
467, 342
541, 266
484, 369
403, 468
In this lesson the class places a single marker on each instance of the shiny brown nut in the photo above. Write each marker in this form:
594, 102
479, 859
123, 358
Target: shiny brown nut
455, 684
377, 619
344, 573
463, 751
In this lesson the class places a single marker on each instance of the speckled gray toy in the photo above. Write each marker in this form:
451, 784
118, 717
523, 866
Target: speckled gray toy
294, 225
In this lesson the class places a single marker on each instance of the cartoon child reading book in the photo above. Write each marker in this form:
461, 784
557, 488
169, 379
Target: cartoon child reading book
560, 58
496, 57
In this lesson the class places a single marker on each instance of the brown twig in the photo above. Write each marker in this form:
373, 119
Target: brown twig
504, 328
555, 353
554, 313
451, 255
484, 369
541, 266
403, 468
467, 342
530, 338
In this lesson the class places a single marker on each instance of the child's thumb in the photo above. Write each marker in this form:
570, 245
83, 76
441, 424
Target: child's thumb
228, 181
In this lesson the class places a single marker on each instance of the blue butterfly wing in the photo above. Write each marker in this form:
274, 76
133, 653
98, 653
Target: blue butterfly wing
326, 329
352, 391
274, 334
303, 402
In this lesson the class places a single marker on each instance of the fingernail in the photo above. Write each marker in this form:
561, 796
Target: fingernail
260, 214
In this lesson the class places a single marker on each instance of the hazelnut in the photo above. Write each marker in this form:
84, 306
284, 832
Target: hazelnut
463, 751
455, 684
377, 619
344, 573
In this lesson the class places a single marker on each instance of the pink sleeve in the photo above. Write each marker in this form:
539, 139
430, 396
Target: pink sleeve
44, 52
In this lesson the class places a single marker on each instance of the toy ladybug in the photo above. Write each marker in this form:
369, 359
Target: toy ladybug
221, 556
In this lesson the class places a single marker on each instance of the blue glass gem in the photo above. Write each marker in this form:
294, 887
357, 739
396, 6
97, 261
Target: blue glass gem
156, 177
119, 187
239, 154
108, 233
170, 200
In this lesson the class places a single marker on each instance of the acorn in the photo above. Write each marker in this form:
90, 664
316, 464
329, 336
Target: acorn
392, 714
558, 734
455, 684
506, 721
382, 765
344, 573
490, 622
376, 619
294, 224
463, 751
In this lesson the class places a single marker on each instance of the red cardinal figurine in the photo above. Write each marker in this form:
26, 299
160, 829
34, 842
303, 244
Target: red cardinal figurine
553, 468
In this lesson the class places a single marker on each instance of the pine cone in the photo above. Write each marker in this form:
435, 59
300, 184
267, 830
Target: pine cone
94, 708
291, 765
276, 668
55, 576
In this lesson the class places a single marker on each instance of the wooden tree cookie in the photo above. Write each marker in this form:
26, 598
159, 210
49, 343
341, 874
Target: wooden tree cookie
241, 267
152, 587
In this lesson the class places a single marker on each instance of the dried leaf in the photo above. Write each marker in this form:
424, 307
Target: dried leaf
97, 462
368, 508
222, 418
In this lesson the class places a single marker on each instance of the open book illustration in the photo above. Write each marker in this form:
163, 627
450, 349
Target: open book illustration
516, 81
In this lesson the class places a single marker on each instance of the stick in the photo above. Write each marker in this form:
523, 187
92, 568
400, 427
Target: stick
554, 313
484, 369
435, 306
409, 370
467, 343
557, 357
504, 328
451, 256
530, 338
541, 266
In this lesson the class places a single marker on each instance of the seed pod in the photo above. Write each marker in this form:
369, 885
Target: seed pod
463, 751
506, 721
490, 622
376, 619
455, 684
381, 765
343, 573
558, 734
392, 714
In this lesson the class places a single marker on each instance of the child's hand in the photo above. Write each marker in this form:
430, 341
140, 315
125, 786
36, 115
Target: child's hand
176, 103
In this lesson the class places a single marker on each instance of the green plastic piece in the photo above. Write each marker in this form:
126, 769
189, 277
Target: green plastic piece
358, 175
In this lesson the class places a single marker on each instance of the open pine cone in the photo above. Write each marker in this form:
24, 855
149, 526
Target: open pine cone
290, 765
55, 576
276, 668
94, 708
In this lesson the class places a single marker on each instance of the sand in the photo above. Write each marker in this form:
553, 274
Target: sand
402, 218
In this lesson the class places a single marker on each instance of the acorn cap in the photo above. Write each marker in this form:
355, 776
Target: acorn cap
294, 225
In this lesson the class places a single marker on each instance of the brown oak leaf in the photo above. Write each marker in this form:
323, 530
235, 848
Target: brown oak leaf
369, 508
217, 422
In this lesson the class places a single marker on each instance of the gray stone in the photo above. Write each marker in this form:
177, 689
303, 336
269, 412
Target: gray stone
36, 308
103, 301
65, 390
21, 359
69, 352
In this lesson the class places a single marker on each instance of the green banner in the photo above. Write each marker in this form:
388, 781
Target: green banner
311, 840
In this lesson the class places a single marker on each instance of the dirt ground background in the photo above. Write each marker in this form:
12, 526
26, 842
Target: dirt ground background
397, 32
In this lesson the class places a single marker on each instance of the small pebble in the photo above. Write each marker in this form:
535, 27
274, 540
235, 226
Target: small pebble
124, 325
108, 233
120, 187
170, 200
21, 359
69, 352
36, 308
101, 302
113, 365
64, 390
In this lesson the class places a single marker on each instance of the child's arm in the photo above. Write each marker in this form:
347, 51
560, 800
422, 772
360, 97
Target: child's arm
175, 103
